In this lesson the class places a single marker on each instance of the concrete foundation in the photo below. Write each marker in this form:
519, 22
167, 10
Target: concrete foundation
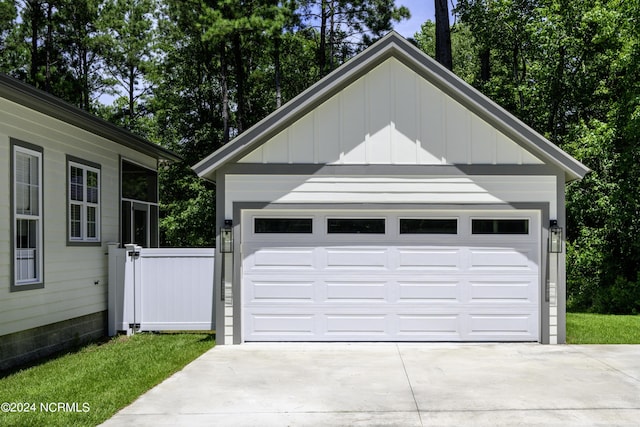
26, 346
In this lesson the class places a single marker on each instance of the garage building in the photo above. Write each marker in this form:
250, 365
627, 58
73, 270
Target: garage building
390, 201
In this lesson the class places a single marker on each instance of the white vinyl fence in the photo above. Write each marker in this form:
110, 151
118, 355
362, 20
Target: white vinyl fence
162, 289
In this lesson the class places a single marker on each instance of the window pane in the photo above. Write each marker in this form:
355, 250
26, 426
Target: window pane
34, 193
91, 223
92, 187
77, 184
500, 226
356, 226
139, 183
35, 179
75, 223
153, 226
140, 226
26, 249
27, 234
428, 226
283, 225
26, 184
22, 168
23, 199
126, 235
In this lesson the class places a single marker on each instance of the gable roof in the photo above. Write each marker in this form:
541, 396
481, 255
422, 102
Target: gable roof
392, 45
45, 103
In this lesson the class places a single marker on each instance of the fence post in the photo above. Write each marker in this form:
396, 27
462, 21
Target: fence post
131, 294
114, 287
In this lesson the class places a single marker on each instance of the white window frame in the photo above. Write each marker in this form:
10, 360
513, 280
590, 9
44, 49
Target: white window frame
84, 204
38, 250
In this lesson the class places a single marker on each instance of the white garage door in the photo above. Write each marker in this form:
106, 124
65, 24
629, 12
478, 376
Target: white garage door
390, 276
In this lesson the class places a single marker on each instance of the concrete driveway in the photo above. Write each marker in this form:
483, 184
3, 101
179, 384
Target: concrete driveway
397, 385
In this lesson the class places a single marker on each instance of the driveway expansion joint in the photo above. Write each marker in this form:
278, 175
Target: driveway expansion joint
613, 368
413, 394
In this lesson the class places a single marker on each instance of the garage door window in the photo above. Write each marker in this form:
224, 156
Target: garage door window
283, 225
355, 225
500, 226
428, 226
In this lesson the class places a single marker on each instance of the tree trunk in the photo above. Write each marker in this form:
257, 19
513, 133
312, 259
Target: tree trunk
224, 87
322, 54
48, 48
132, 79
240, 80
485, 65
443, 34
84, 69
276, 61
35, 23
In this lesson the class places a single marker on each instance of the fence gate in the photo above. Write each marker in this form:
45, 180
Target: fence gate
166, 289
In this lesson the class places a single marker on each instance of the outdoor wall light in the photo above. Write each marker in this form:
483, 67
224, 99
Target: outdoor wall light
555, 237
226, 237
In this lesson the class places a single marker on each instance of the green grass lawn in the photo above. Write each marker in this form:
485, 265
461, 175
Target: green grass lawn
95, 382
586, 328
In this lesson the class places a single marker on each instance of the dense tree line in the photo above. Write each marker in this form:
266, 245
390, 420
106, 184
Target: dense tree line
571, 70
192, 74
186, 74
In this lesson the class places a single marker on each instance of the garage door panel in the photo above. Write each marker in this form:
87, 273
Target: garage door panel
280, 258
365, 292
360, 258
355, 325
428, 259
501, 259
270, 324
440, 326
264, 292
429, 292
413, 325
512, 290
503, 325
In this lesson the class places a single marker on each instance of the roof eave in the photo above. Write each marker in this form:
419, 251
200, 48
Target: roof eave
45, 103
392, 45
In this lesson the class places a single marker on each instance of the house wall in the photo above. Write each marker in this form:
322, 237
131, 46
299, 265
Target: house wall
372, 188
70, 272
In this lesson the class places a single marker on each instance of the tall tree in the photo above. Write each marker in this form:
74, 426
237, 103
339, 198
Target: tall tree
570, 69
346, 27
128, 30
8, 47
443, 34
83, 49
464, 50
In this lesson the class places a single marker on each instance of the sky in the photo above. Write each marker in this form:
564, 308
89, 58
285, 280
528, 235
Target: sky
421, 11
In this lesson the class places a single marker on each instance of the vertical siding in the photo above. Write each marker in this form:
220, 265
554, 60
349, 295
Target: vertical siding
301, 140
391, 116
404, 129
379, 112
70, 273
327, 133
432, 119
483, 147
457, 121
352, 124
278, 149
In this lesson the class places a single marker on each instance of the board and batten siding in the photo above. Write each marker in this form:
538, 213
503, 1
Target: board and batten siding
428, 190
391, 115
69, 271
